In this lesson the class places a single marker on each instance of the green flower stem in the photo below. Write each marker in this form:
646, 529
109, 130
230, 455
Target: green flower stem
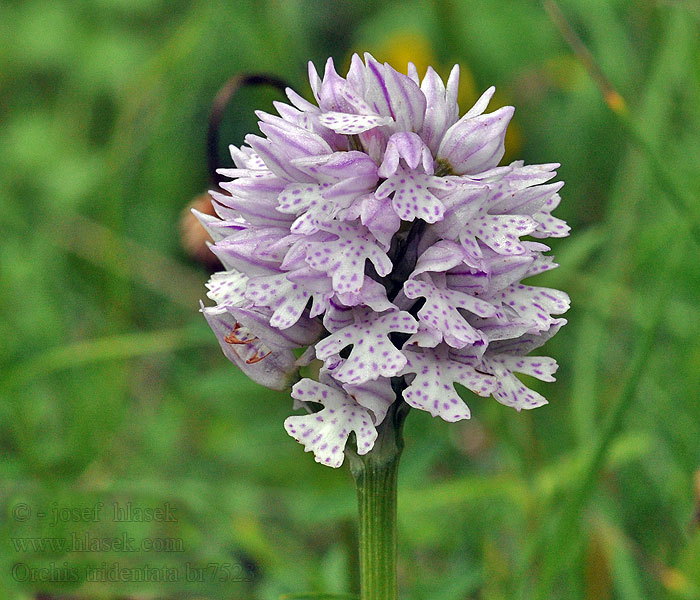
376, 475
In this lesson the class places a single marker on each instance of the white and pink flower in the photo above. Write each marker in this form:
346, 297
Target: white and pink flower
376, 228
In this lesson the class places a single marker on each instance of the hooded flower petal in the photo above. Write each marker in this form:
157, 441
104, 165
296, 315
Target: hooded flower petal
378, 215
272, 368
302, 333
440, 257
441, 110
475, 144
390, 93
409, 147
376, 395
348, 174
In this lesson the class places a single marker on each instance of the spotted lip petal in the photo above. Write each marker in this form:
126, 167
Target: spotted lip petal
373, 355
432, 388
344, 257
325, 433
502, 359
501, 233
534, 305
227, 288
348, 124
346, 217
283, 296
509, 389
411, 196
440, 312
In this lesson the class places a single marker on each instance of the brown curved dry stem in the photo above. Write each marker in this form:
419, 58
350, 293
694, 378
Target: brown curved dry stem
220, 104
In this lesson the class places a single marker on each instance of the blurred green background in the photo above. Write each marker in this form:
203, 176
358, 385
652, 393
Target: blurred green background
113, 389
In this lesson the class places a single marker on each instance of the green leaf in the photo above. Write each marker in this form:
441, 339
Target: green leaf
117, 347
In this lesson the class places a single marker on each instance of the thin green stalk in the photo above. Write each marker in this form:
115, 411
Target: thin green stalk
376, 476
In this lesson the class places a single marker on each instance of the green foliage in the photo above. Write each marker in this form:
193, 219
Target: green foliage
112, 390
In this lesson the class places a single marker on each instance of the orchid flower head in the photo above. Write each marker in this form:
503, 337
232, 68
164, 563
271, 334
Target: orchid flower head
376, 229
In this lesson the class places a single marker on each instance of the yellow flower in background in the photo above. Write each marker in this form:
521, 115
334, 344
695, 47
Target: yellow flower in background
565, 72
514, 133
404, 46
412, 45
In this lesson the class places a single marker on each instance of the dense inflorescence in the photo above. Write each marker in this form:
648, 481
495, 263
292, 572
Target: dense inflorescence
377, 230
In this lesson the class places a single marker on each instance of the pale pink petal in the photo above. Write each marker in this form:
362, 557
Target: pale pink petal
475, 143
325, 433
432, 388
373, 354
